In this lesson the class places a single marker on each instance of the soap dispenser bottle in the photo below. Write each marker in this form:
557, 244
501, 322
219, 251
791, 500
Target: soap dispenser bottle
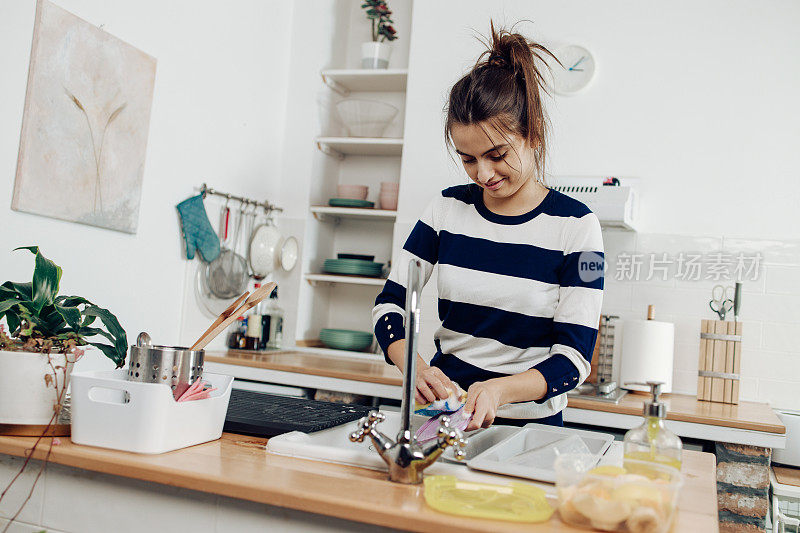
652, 441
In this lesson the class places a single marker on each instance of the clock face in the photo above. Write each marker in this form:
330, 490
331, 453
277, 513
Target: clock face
577, 70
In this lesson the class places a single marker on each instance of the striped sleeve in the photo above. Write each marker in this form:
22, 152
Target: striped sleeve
388, 315
578, 310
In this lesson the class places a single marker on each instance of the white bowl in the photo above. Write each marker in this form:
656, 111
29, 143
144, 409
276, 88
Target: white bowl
365, 118
353, 192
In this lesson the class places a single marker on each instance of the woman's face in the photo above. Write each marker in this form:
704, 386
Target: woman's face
499, 164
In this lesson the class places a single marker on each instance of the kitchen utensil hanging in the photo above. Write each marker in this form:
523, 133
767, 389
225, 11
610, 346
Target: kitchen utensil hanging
264, 249
227, 275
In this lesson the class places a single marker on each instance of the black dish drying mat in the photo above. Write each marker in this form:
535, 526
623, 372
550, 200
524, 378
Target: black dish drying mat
266, 415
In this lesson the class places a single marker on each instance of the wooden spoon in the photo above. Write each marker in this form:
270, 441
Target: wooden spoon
225, 314
253, 300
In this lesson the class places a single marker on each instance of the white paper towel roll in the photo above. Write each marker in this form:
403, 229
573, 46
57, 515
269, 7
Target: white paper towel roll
647, 353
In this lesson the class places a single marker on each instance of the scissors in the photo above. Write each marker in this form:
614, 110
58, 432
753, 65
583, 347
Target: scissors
720, 302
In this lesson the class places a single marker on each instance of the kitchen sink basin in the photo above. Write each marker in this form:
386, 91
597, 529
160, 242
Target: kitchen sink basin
333, 445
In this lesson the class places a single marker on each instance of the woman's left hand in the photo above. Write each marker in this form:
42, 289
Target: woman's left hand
483, 399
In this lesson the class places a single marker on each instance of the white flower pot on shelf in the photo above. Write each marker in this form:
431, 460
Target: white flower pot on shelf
27, 396
375, 55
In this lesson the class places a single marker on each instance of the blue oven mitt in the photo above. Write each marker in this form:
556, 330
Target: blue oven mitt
197, 230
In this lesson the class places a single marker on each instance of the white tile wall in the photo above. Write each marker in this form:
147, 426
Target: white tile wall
79, 501
770, 309
9, 467
89, 502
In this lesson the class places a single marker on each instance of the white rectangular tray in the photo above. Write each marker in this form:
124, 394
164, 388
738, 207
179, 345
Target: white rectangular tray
499, 458
109, 411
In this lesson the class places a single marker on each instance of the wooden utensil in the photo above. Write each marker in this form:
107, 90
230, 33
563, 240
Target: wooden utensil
253, 300
222, 316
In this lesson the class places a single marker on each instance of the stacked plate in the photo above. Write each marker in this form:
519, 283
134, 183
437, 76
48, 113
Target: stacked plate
345, 339
350, 202
353, 267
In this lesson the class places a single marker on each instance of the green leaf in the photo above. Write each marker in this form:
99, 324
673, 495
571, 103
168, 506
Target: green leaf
110, 352
23, 291
114, 329
46, 277
5, 305
13, 321
67, 307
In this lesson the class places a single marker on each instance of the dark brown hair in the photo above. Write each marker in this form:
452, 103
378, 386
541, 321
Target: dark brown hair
503, 89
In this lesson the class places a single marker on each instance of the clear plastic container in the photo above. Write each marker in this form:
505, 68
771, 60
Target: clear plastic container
640, 498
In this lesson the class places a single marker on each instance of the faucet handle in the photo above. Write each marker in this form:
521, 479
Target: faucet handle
452, 436
367, 425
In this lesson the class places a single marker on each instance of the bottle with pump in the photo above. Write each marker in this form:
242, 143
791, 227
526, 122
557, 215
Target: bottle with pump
652, 441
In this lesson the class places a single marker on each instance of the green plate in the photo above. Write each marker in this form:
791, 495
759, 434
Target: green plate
349, 202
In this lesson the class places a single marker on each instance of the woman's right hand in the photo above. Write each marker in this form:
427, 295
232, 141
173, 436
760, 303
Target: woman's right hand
432, 385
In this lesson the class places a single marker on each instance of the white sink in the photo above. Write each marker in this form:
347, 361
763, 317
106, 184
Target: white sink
334, 446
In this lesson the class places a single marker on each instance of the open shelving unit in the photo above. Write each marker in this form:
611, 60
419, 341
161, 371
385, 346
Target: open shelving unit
324, 213
340, 147
346, 81
313, 279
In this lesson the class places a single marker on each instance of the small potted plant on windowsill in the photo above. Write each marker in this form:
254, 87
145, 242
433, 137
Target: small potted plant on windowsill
47, 334
375, 54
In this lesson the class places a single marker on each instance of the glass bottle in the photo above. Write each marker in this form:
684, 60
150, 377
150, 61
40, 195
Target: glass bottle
652, 441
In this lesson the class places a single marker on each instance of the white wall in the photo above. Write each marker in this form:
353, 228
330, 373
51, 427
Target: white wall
698, 100
217, 116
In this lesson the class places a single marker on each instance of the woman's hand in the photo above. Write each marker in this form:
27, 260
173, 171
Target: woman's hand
483, 400
432, 384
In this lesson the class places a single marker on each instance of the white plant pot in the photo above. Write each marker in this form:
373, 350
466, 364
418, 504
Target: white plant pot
26, 397
375, 54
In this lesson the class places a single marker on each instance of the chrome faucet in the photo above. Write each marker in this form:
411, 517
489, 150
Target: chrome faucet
405, 457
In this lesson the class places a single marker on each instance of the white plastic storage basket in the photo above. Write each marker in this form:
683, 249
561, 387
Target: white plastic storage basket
109, 411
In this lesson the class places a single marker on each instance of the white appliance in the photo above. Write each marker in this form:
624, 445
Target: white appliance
616, 206
791, 454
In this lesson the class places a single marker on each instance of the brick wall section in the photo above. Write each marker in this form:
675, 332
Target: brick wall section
742, 487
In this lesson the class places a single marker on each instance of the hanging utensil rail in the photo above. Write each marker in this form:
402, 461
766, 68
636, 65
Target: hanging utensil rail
268, 207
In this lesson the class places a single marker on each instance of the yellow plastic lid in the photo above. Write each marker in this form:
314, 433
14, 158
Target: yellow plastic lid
516, 502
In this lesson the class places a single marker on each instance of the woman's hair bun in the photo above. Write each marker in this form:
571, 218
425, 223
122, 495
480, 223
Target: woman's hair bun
503, 88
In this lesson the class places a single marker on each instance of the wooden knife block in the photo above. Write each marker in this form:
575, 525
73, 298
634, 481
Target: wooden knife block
719, 362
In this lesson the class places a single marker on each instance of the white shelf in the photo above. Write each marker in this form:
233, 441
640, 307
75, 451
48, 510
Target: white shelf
313, 279
323, 212
345, 81
342, 146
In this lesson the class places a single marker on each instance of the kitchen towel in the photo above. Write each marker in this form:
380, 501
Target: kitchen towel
197, 231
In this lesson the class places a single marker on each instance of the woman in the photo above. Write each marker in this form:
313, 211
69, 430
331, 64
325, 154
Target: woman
518, 320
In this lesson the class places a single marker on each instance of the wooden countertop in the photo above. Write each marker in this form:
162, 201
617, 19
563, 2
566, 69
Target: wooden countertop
376, 371
754, 416
681, 407
240, 467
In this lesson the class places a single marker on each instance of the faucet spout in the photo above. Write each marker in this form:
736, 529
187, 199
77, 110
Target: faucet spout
413, 289
405, 457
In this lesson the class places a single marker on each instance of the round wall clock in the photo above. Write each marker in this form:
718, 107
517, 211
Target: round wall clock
577, 71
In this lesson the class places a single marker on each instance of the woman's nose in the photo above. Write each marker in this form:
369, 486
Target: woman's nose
485, 171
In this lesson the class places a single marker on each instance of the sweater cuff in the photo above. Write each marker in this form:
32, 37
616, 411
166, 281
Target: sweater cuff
560, 375
388, 329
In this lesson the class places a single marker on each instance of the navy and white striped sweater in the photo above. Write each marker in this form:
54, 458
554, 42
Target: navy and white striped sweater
514, 291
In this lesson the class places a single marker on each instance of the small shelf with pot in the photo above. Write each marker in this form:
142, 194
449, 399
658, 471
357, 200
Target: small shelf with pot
324, 212
345, 81
340, 147
314, 279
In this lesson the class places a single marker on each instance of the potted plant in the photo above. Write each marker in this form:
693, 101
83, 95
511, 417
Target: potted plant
47, 334
375, 53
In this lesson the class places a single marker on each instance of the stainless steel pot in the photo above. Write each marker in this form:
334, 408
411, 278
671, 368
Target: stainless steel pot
176, 366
